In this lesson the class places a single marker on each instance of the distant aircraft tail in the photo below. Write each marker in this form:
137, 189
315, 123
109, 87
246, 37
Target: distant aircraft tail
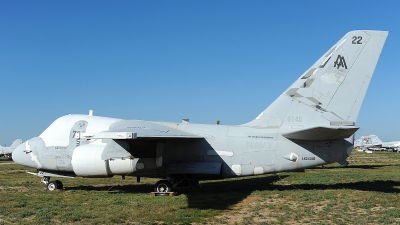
330, 93
358, 143
16, 143
371, 140
375, 140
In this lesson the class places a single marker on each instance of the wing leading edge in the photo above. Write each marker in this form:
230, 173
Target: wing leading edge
137, 129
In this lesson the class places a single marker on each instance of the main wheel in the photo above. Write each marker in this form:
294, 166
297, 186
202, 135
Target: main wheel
163, 186
51, 186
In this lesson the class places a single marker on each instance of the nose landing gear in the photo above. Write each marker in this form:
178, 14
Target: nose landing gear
52, 185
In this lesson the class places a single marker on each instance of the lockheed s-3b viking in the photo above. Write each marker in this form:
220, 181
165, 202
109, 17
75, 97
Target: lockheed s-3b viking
311, 123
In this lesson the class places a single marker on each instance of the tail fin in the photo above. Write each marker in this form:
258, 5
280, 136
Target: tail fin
375, 140
330, 92
371, 140
16, 143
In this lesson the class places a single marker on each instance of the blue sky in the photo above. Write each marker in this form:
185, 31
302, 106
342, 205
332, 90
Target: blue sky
168, 60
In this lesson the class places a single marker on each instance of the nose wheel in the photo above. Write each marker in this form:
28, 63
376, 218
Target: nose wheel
52, 185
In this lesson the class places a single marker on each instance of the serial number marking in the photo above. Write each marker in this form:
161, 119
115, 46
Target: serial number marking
265, 137
293, 119
308, 158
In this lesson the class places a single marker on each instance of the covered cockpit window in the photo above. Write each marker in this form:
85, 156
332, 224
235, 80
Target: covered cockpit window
58, 133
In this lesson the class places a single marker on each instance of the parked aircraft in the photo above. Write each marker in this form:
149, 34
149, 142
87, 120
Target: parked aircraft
372, 142
311, 123
7, 151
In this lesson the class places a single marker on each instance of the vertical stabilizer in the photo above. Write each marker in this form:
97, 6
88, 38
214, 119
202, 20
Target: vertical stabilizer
16, 143
371, 140
331, 92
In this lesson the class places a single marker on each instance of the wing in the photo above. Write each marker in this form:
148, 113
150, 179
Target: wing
137, 129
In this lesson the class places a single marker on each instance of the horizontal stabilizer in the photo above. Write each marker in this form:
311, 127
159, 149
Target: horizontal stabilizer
321, 133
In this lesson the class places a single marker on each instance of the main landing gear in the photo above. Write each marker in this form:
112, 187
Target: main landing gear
169, 184
52, 185
163, 186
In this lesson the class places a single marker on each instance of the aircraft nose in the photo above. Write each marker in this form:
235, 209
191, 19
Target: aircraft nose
21, 156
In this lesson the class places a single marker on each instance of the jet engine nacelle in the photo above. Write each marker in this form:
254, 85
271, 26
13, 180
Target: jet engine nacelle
87, 162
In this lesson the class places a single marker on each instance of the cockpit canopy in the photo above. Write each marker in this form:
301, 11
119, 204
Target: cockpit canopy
58, 133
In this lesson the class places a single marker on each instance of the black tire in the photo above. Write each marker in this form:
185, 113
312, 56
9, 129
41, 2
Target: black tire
59, 184
52, 186
163, 186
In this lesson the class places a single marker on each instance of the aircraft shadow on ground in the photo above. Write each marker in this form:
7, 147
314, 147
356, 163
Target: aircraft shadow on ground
134, 188
221, 195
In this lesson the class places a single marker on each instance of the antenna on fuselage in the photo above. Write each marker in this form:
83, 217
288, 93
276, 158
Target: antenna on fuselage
90, 112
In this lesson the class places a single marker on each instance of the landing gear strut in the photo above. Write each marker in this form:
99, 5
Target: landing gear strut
52, 185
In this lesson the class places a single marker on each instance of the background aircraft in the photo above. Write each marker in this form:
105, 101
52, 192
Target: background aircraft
309, 124
7, 151
372, 142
